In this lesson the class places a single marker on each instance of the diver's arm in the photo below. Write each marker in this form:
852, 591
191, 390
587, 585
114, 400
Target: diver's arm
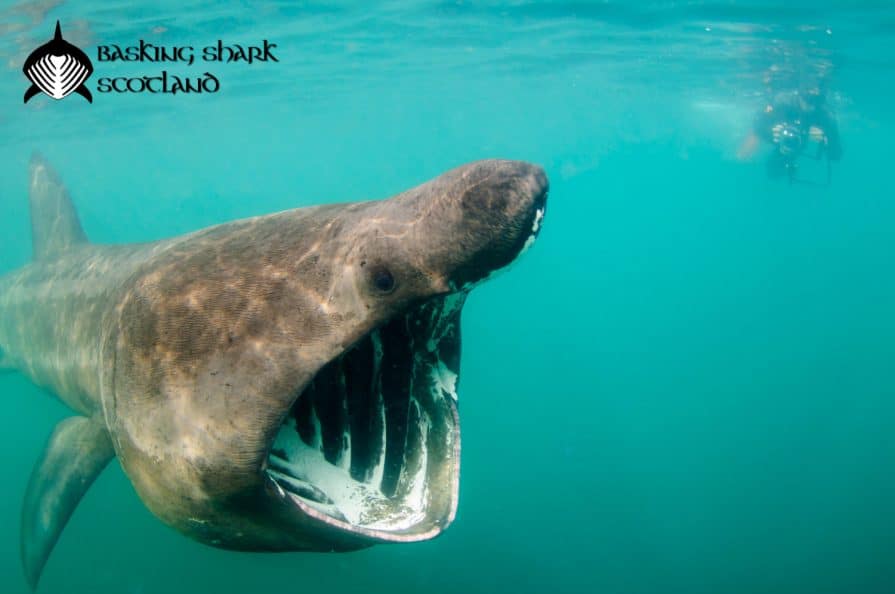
761, 130
825, 132
834, 145
763, 124
749, 146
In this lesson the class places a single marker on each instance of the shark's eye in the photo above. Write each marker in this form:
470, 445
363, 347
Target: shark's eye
383, 280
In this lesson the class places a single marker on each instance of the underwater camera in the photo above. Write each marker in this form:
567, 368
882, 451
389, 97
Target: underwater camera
790, 141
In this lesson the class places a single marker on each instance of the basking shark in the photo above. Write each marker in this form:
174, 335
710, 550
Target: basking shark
286, 382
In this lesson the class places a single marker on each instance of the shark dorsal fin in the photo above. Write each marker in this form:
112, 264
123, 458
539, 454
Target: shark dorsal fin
55, 227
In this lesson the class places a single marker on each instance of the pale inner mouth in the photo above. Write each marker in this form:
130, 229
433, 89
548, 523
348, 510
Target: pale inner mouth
371, 444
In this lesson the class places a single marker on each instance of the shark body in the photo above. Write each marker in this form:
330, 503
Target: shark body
285, 382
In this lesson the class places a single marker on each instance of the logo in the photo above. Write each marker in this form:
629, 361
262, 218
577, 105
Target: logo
58, 69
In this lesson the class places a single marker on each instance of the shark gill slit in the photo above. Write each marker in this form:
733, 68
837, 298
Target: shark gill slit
357, 440
365, 428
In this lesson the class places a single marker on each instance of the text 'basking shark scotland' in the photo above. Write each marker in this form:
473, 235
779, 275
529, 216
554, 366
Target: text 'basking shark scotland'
280, 383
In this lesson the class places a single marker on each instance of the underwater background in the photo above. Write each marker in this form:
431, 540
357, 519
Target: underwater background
687, 385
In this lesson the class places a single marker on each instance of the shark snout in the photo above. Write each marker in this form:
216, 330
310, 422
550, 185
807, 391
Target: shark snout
493, 214
504, 195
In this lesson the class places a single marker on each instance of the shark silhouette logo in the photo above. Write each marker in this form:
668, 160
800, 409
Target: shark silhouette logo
58, 69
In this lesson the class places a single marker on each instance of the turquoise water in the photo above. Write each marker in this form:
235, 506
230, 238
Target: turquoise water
686, 386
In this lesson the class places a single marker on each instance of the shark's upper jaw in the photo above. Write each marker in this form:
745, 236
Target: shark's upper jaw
371, 446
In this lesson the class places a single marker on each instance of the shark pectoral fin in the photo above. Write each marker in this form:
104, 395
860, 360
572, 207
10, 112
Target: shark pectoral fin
85, 93
77, 452
31, 92
54, 222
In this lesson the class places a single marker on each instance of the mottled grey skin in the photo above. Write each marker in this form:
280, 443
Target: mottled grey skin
185, 354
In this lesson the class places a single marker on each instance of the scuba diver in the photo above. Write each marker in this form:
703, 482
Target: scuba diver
792, 122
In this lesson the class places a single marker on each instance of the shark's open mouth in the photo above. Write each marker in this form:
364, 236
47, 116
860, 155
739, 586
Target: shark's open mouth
371, 445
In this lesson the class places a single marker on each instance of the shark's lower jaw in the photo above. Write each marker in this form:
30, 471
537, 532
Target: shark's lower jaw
371, 446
